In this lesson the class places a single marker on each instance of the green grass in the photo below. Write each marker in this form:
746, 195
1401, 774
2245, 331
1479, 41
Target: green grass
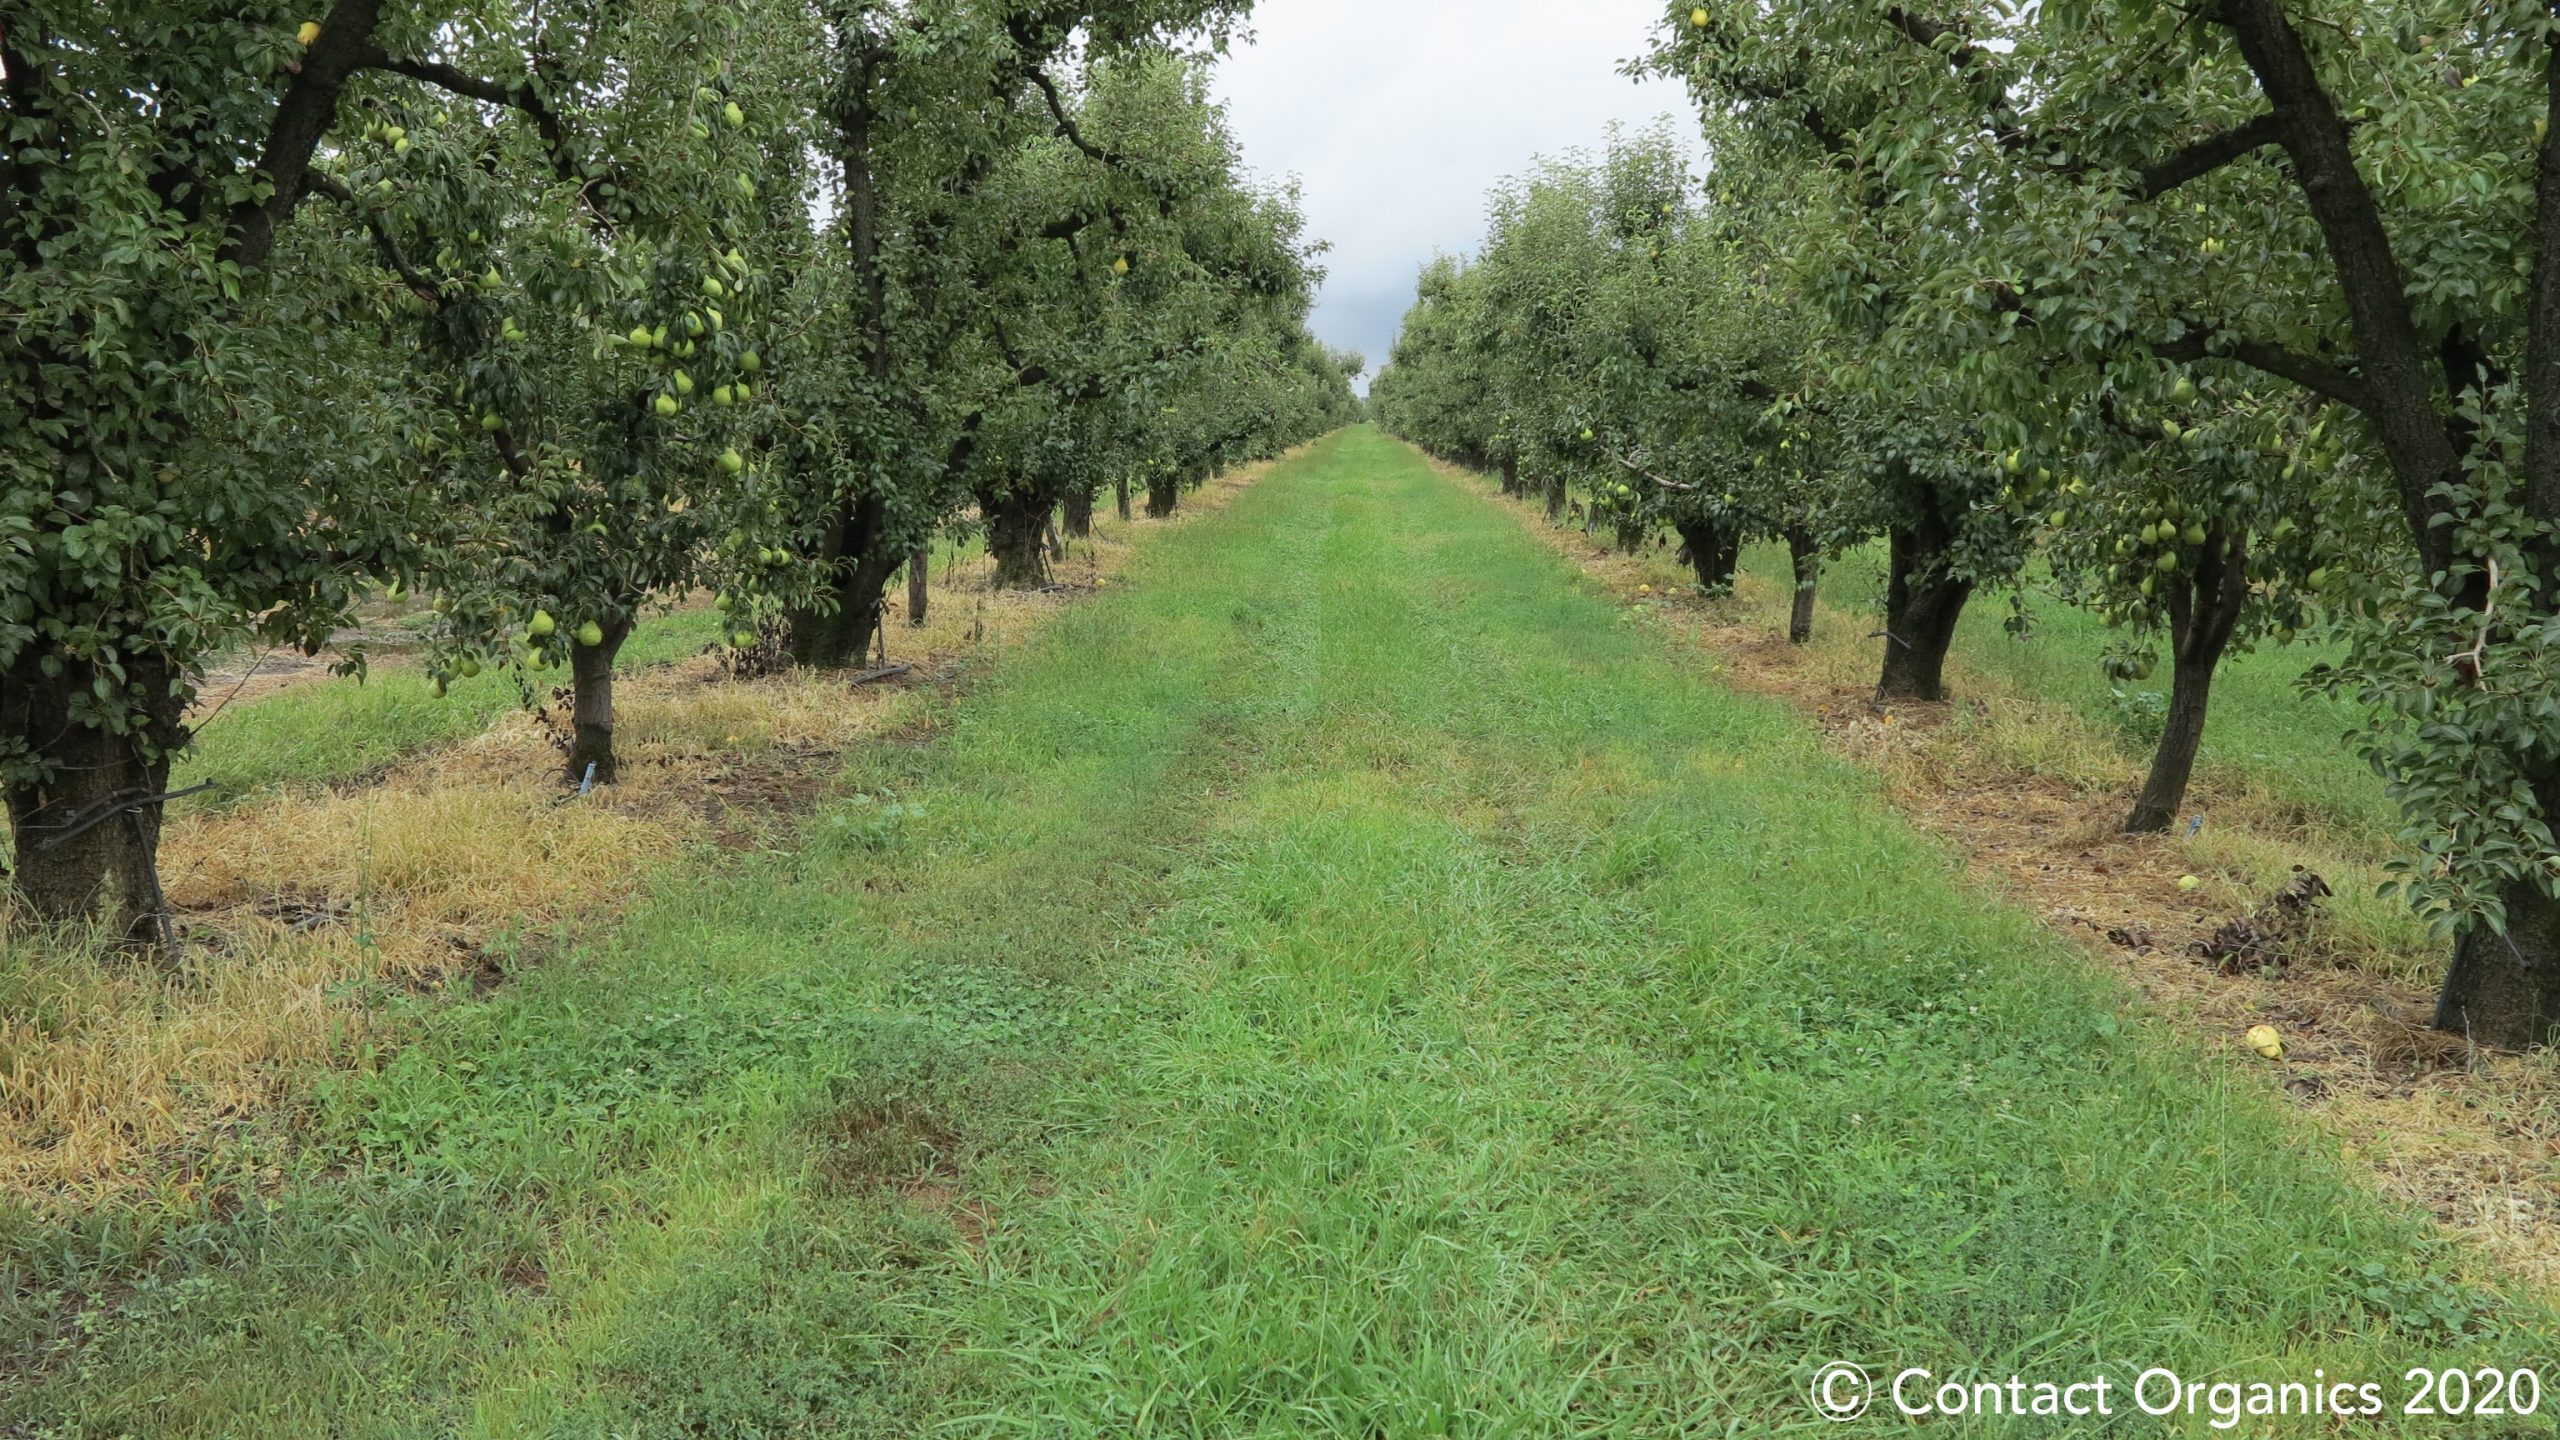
1348, 981
336, 729
2261, 724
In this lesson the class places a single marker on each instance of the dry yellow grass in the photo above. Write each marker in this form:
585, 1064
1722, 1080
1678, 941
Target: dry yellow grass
305, 909
2032, 794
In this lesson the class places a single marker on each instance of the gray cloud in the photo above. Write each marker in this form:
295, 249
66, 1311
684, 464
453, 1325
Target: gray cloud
1398, 116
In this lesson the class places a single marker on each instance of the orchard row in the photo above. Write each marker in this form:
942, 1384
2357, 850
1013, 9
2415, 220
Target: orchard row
2240, 320
555, 315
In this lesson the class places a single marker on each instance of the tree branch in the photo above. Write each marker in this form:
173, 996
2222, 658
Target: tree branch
2308, 371
1969, 62
523, 95
1066, 122
2207, 155
2393, 368
383, 245
308, 109
1647, 474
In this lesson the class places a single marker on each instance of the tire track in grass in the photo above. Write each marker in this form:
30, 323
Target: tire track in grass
677, 1183
1545, 1043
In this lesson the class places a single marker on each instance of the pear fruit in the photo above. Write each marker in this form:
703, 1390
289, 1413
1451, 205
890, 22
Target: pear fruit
591, 634
541, 626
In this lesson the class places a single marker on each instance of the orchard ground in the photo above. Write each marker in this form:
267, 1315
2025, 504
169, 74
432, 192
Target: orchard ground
1358, 976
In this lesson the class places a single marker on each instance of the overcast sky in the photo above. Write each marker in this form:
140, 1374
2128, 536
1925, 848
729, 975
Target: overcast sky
1398, 116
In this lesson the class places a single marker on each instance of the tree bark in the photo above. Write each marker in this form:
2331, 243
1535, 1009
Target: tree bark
1806, 557
2504, 990
86, 839
1511, 474
2204, 611
1714, 553
1163, 494
856, 546
1922, 604
919, 582
1555, 501
1120, 492
1076, 512
1015, 529
2390, 360
591, 704
835, 634
1631, 534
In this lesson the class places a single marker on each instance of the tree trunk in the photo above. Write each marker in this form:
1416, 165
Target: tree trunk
2504, 990
2173, 761
86, 841
1077, 512
1120, 492
1015, 527
1555, 501
1631, 533
591, 704
1511, 474
1922, 605
1163, 493
1807, 559
2203, 613
1714, 553
919, 582
836, 634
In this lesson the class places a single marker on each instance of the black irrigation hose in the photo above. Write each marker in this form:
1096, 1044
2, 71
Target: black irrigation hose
105, 810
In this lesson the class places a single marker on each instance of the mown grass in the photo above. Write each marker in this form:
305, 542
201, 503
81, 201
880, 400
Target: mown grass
1347, 982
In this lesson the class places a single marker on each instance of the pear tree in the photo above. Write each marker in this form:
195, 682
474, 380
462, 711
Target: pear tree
2351, 201
583, 300
198, 446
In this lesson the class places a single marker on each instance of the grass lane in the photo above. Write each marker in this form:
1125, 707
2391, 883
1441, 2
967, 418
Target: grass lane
1348, 982
1545, 1043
